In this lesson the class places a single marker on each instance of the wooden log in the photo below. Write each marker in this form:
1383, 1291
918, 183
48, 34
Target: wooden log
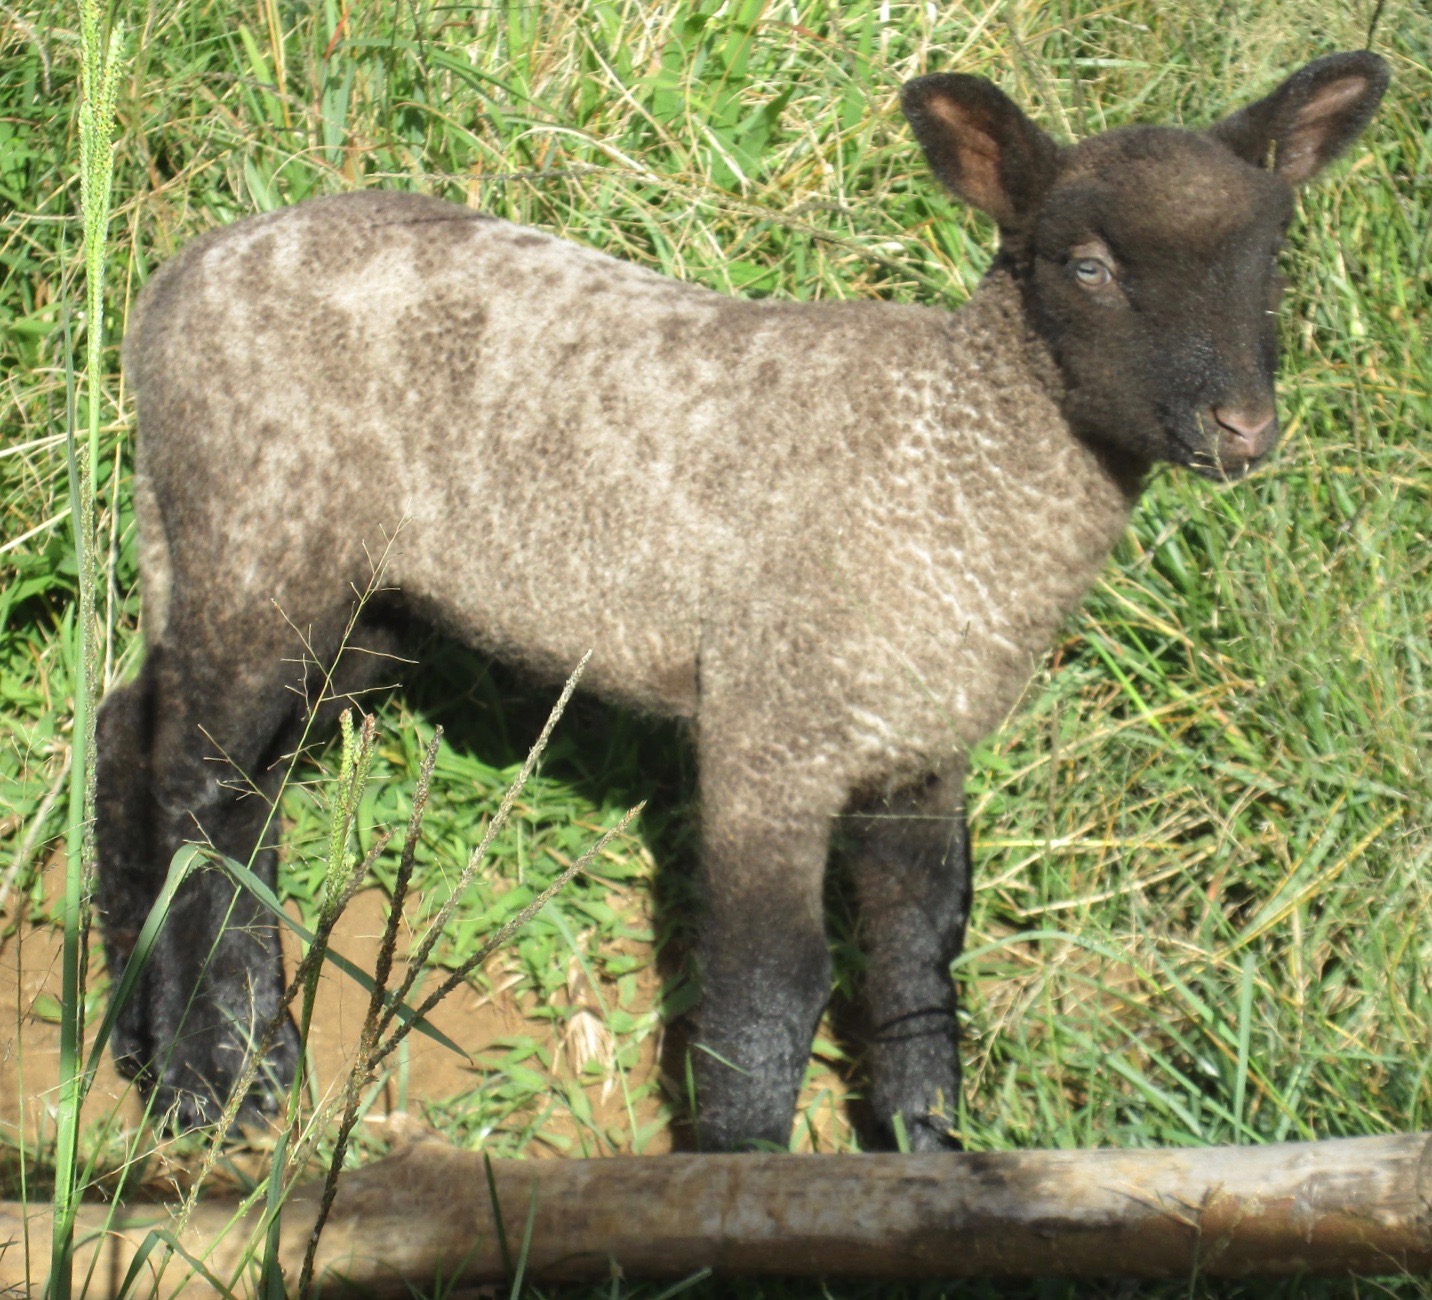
1347, 1206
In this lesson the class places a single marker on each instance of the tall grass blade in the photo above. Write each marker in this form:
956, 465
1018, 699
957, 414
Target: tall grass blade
1245, 1037
184, 862
98, 79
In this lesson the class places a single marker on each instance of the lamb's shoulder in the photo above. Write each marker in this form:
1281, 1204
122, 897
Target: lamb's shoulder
985, 520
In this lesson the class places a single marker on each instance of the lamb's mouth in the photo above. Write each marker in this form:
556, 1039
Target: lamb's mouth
1198, 449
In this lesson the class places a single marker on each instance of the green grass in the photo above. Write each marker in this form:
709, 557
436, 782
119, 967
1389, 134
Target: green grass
1203, 850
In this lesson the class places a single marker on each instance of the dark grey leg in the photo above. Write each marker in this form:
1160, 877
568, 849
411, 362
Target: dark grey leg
216, 977
188, 753
130, 870
765, 975
766, 820
909, 856
174, 750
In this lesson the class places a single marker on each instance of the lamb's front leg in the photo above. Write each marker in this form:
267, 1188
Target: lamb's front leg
765, 964
909, 855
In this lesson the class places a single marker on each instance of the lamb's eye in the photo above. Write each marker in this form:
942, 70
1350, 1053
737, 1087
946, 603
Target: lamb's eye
1091, 272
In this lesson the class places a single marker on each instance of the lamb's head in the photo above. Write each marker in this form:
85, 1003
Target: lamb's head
1147, 256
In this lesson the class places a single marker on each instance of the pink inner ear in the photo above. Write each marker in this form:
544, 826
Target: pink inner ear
1331, 99
978, 153
1301, 154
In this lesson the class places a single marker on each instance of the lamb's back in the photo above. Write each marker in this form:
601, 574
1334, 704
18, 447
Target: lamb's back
556, 448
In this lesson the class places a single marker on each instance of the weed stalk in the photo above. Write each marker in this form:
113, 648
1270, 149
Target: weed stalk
100, 59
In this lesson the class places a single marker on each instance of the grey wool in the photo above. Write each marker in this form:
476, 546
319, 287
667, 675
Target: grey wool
836, 538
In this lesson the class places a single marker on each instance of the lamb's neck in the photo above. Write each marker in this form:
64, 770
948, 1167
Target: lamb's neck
994, 326
1022, 512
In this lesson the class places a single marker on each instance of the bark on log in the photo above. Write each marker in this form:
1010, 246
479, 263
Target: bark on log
1356, 1205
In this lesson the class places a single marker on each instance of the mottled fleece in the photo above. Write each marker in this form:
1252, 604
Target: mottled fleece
841, 533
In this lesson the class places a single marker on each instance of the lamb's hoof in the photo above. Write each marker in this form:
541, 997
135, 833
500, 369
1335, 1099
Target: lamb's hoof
932, 1133
180, 1106
131, 1053
180, 1111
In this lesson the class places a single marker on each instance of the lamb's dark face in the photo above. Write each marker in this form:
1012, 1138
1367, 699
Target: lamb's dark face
1147, 256
1151, 272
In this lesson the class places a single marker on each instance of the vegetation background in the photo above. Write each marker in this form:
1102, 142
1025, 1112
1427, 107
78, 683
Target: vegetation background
1203, 849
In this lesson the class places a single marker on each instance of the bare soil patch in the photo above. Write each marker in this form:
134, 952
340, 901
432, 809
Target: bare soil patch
423, 1074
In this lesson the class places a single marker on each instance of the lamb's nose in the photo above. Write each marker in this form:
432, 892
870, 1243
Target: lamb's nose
1246, 435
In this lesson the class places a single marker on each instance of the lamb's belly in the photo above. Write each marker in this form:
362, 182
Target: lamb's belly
541, 600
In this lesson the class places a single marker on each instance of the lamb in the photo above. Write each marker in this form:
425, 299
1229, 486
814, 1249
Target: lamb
835, 538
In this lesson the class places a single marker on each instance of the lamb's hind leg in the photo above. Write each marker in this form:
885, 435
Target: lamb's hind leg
131, 871
909, 855
189, 753
186, 756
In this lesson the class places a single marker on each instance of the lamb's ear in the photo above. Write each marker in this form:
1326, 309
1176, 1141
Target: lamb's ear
1311, 118
980, 145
